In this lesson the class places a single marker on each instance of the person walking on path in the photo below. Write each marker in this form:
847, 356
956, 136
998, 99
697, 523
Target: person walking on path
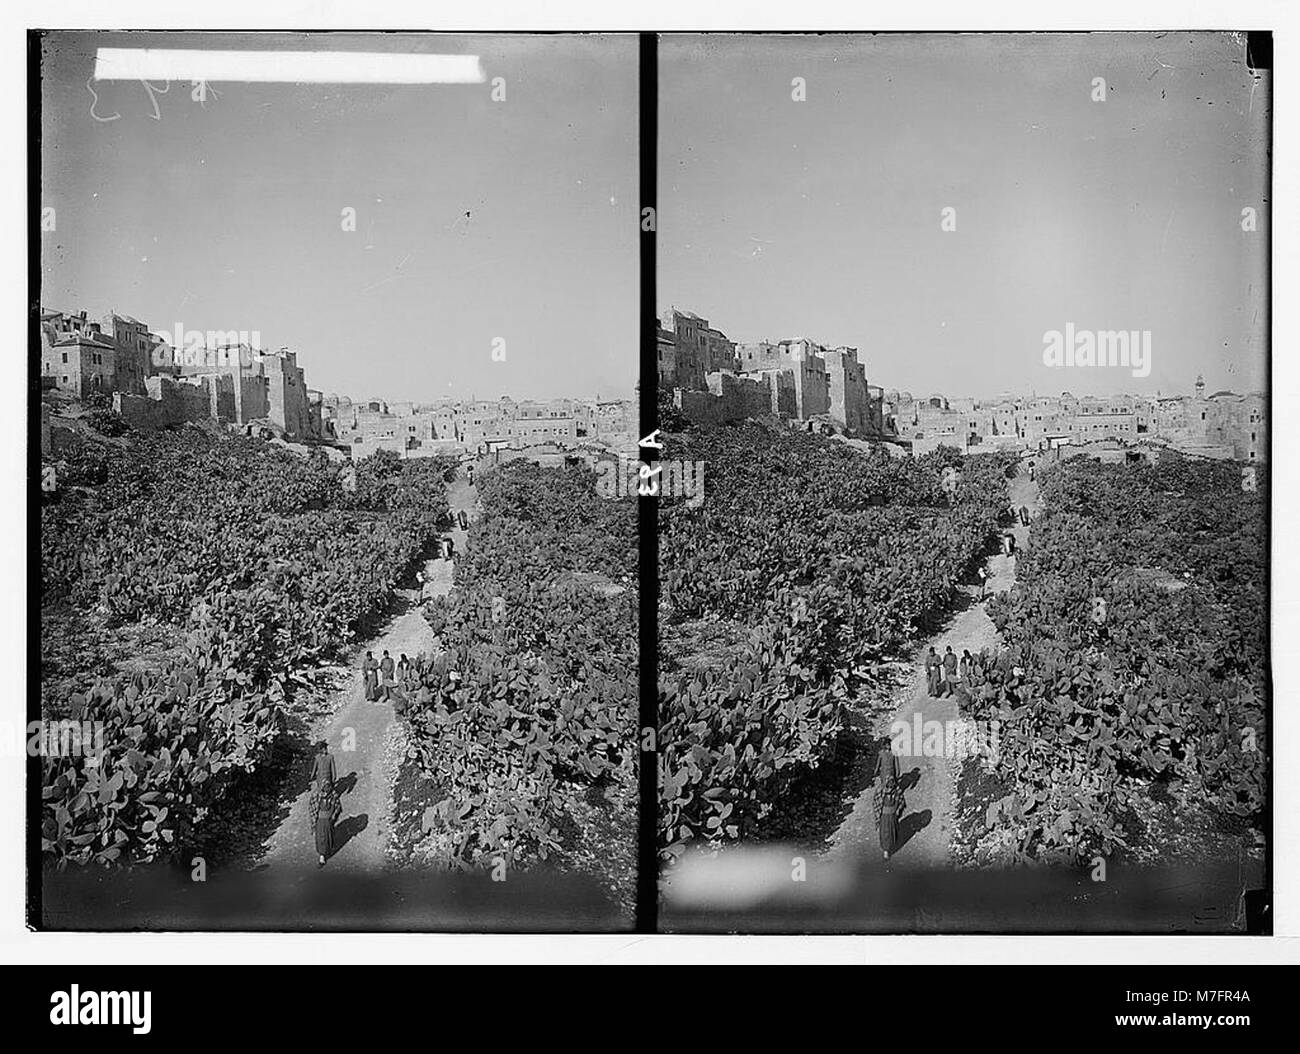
370, 674
323, 805
949, 671
407, 679
386, 681
966, 669
932, 667
887, 797
984, 578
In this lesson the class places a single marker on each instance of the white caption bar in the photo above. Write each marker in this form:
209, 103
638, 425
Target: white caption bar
285, 67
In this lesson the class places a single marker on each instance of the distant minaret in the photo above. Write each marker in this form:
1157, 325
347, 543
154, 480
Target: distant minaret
1200, 387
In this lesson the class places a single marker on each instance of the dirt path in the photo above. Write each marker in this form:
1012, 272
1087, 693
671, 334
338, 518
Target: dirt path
366, 740
926, 826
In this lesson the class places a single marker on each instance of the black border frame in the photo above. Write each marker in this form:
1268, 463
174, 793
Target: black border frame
1259, 56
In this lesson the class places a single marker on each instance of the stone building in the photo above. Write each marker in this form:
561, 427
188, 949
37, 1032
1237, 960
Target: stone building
76, 354
536, 422
1109, 417
130, 339
1224, 424
782, 396
729, 398
478, 426
81, 364
315, 415
847, 389
785, 400
614, 421
481, 427
135, 344
242, 394
719, 352
803, 359
689, 348
167, 403
811, 383
264, 385
696, 349
241, 384
1242, 418
875, 412
666, 351
444, 421
584, 418
287, 393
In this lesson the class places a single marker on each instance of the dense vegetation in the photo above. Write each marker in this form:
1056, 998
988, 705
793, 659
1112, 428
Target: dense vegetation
808, 564
1140, 624
255, 562
530, 703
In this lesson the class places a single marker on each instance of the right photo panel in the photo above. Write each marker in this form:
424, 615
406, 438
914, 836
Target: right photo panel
963, 373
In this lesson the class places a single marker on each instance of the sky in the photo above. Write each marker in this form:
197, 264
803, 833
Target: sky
822, 218
476, 220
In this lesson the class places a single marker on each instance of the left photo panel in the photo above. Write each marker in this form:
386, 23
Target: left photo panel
333, 387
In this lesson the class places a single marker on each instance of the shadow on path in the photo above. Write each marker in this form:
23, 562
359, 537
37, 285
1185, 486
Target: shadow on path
910, 825
348, 829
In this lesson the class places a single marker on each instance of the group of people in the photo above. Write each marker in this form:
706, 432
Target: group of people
945, 673
385, 678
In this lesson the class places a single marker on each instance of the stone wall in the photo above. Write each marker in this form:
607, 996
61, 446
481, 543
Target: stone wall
847, 389
166, 404
729, 399
931, 443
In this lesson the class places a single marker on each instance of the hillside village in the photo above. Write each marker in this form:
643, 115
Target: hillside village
228, 381
711, 378
717, 380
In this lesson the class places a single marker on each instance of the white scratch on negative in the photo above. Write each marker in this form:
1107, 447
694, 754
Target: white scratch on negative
285, 67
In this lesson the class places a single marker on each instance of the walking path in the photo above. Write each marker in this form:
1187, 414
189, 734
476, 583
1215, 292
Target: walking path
926, 826
368, 771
